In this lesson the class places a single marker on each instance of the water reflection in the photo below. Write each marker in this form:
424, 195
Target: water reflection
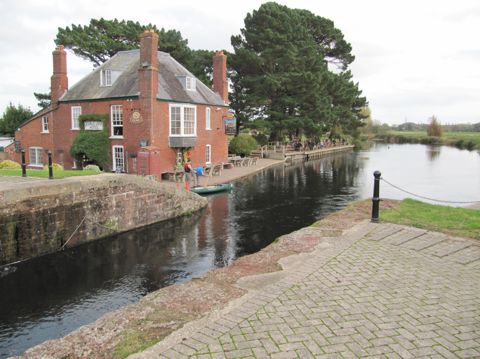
433, 152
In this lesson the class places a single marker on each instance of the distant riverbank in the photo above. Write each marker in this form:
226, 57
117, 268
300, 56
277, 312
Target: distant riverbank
463, 140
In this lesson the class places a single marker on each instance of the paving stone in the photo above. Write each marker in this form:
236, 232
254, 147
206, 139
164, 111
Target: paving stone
383, 232
447, 247
468, 255
425, 241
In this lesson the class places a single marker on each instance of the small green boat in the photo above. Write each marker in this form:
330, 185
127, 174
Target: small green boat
212, 189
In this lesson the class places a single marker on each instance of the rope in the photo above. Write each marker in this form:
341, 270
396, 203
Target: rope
427, 198
75, 231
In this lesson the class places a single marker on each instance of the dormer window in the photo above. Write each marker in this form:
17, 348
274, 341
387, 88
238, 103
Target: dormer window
106, 78
189, 83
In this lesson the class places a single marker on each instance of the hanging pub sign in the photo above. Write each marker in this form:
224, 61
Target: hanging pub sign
230, 126
93, 125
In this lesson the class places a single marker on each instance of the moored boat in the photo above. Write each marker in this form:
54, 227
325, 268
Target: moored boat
212, 189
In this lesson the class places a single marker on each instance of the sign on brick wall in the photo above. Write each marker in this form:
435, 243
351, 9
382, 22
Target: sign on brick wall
93, 125
230, 126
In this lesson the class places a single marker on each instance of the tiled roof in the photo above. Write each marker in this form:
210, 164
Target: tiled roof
170, 88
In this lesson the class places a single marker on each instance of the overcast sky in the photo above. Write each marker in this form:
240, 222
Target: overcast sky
414, 59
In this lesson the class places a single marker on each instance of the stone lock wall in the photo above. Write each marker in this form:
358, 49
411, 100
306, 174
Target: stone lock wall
42, 218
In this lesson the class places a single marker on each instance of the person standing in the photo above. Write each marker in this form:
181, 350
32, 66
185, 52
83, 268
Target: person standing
187, 168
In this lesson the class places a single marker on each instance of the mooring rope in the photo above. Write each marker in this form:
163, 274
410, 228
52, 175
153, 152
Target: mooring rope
424, 197
75, 231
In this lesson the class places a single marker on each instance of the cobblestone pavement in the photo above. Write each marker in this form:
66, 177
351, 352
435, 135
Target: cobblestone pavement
380, 291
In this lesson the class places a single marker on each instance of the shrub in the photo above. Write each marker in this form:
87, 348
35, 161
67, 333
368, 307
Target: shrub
434, 129
55, 167
93, 168
9, 165
242, 145
94, 145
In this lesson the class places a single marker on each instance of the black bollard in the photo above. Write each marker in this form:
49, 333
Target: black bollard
24, 165
50, 166
376, 196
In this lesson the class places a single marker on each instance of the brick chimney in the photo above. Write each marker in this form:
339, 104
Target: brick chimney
148, 78
220, 83
59, 79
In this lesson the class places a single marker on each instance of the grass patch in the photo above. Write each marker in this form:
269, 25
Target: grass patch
463, 222
44, 173
462, 140
133, 341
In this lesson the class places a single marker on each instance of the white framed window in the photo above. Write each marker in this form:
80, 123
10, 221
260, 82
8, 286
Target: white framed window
105, 78
45, 124
76, 112
118, 158
183, 120
36, 156
116, 118
208, 154
208, 120
190, 83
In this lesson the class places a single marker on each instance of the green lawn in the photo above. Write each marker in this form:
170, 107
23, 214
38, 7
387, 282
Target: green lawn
44, 173
463, 222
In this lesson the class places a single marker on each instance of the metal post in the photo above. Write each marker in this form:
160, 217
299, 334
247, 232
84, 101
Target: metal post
376, 196
24, 165
50, 167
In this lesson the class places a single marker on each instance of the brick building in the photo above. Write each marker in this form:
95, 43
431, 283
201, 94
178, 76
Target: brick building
158, 111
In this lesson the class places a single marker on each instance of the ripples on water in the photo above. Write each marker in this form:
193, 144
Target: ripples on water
50, 296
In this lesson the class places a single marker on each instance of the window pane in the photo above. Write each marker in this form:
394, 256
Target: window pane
175, 120
189, 121
117, 120
76, 112
207, 118
118, 158
36, 155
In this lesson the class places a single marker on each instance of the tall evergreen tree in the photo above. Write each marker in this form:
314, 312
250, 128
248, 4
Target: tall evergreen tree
280, 72
12, 117
102, 39
43, 99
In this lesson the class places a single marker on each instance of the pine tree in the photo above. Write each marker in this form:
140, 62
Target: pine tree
280, 73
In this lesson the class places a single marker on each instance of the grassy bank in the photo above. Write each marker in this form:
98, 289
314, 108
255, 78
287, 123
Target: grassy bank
461, 222
462, 140
44, 173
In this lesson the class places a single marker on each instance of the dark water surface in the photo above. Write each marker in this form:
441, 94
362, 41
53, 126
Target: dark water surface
50, 296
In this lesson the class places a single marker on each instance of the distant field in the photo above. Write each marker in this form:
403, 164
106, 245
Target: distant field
463, 140
44, 173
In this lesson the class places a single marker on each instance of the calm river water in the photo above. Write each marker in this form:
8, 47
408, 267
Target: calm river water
50, 296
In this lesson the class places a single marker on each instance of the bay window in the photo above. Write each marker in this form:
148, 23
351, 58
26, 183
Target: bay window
183, 120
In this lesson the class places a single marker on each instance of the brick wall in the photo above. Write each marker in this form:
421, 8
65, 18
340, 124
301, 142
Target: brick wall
40, 220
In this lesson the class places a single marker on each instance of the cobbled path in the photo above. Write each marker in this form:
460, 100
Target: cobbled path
385, 291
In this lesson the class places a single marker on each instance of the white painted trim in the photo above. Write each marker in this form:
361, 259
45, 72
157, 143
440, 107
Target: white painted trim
114, 163
208, 118
182, 120
111, 121
71, 116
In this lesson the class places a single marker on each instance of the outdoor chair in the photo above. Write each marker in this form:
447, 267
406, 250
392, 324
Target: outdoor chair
217, 170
